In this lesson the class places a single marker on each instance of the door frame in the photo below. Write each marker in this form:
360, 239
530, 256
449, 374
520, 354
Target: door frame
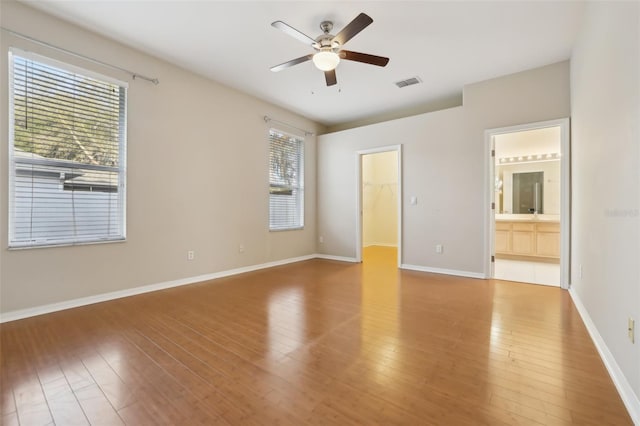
359, 233
565, 195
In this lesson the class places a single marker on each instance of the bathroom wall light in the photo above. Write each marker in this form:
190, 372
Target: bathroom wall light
534, 158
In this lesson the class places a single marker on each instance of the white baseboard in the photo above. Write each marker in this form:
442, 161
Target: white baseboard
89, 300
338, 258
625, 390
627, 394
443, 271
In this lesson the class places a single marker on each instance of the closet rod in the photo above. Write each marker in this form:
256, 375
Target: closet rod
306, 132
133, 74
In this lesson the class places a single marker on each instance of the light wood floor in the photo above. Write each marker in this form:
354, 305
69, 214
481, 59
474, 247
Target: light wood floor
317, 342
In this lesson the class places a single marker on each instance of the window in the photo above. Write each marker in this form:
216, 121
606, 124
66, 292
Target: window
286, 181
67, 135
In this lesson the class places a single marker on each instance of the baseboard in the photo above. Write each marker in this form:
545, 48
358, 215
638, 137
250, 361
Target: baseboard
455, 272
625, 390
338, 258
89, 300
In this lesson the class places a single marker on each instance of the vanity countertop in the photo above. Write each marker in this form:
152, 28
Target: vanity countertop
527, 218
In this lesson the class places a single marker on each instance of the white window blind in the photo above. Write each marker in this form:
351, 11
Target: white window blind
286, 181
67, 140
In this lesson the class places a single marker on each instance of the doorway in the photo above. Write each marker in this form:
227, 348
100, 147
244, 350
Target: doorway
528, 189
379, 205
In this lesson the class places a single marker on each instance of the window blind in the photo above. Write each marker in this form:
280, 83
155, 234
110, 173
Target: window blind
286, 181
67, 154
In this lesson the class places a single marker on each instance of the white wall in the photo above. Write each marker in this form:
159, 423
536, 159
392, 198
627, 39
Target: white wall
380, 199
443, 166
605, 103
197, 178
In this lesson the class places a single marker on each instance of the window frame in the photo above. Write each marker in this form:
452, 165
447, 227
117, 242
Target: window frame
12, 243
300, 182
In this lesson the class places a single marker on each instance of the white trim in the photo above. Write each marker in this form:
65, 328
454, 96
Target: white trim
565, 196
490, 197
338, 258
359, 233
565, 203
443, 271
625, 390
83, 301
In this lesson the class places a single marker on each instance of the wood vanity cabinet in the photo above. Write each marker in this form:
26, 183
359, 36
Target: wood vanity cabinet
528, 239
548, 239
503, 237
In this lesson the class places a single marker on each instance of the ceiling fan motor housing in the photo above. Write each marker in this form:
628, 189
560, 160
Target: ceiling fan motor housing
326, 26
325, 41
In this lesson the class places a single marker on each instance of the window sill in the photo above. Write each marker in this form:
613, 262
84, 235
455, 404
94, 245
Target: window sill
297, 228
80, 243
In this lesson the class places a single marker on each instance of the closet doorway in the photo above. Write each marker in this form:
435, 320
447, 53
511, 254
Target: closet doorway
379, 205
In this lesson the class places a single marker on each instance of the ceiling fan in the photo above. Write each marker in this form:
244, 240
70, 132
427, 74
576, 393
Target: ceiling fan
329, 47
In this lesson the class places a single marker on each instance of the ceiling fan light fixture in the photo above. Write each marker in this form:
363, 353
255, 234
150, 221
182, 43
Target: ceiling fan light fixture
326, 60
328, 47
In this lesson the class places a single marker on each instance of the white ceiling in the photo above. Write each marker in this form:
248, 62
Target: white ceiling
446, 44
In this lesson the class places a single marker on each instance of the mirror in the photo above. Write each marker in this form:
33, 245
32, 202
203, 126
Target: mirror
516, 185
527, 192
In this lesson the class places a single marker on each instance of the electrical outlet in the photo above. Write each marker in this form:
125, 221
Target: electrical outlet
632, 330
321, 239
439, 248
191, 255
241, 248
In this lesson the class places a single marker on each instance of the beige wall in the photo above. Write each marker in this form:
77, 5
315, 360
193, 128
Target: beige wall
605, 103
197, 171
443, 166
424, 170
380, 199
197, 179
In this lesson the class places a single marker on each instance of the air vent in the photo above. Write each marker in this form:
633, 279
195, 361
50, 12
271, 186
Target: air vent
408, 82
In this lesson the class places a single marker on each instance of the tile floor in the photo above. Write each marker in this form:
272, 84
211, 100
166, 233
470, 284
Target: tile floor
528, 272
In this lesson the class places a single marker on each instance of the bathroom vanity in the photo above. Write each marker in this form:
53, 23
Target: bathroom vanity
530, 237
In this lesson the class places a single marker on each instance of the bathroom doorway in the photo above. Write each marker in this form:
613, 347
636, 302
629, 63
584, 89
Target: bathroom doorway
379, 219
528, 229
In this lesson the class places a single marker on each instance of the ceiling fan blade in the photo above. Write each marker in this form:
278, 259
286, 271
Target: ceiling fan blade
331, 78
291, 63
380, 61
288, 29
353, 28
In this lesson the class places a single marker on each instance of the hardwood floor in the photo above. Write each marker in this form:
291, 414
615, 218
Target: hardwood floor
316, 342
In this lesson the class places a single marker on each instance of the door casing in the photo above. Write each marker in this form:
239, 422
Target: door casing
358, 159
565, 194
